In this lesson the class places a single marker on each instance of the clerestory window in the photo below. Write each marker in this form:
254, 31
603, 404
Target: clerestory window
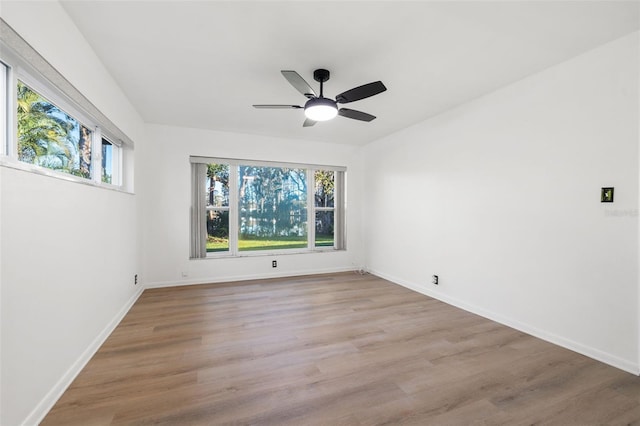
48, 127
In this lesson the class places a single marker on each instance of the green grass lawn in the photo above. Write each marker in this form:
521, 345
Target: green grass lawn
221, 244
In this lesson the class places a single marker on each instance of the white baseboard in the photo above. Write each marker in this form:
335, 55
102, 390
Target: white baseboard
233, 278
594, 353
43, 407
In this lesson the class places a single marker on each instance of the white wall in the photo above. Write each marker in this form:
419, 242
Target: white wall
500, 198
165, 192
69, 251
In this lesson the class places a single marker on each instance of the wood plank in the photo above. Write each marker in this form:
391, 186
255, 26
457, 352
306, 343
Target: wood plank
339, 349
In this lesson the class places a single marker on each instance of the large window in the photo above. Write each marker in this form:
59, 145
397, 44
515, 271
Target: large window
272, 204
242, 207
52, 131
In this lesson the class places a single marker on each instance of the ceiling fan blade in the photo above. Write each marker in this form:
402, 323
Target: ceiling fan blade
278, 106
356, 115
308, 123
299, 83
361, 92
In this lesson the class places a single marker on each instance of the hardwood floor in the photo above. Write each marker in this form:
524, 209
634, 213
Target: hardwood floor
339, 349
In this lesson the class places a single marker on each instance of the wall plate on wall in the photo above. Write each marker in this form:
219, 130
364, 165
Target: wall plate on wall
606, 195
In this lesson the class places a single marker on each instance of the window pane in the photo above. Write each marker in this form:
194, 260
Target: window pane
218, 185
49, 137
273, 211
324, 229
107, 161
217, 230
325, 188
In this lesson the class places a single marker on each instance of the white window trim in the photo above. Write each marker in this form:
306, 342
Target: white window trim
339, 209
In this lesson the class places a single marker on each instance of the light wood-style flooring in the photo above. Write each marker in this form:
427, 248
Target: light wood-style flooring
339, 349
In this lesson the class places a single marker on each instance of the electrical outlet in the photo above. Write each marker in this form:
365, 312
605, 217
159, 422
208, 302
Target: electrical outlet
434, 279
135, 279
274, 263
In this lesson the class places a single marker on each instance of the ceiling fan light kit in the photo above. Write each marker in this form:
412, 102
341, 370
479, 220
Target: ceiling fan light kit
319, 108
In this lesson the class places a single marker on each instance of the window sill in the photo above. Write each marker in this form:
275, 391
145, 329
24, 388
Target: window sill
17, 165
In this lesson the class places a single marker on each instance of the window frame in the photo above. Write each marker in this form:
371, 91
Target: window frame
339, 242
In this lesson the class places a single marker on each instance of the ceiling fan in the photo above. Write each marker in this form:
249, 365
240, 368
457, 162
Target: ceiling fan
319, 108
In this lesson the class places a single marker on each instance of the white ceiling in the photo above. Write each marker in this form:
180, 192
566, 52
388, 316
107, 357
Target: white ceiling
203, 64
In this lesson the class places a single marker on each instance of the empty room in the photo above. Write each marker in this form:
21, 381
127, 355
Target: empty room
319, 212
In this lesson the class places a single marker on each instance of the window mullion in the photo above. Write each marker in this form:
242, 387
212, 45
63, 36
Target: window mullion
96, 155
339, 216
234, 205
118, 168
311, 214
12, 117
4, 105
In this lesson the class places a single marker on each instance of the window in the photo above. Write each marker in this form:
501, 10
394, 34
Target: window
48, 127
217, 212
272, 205
50, 137
324, 207
239, 207
110, 158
